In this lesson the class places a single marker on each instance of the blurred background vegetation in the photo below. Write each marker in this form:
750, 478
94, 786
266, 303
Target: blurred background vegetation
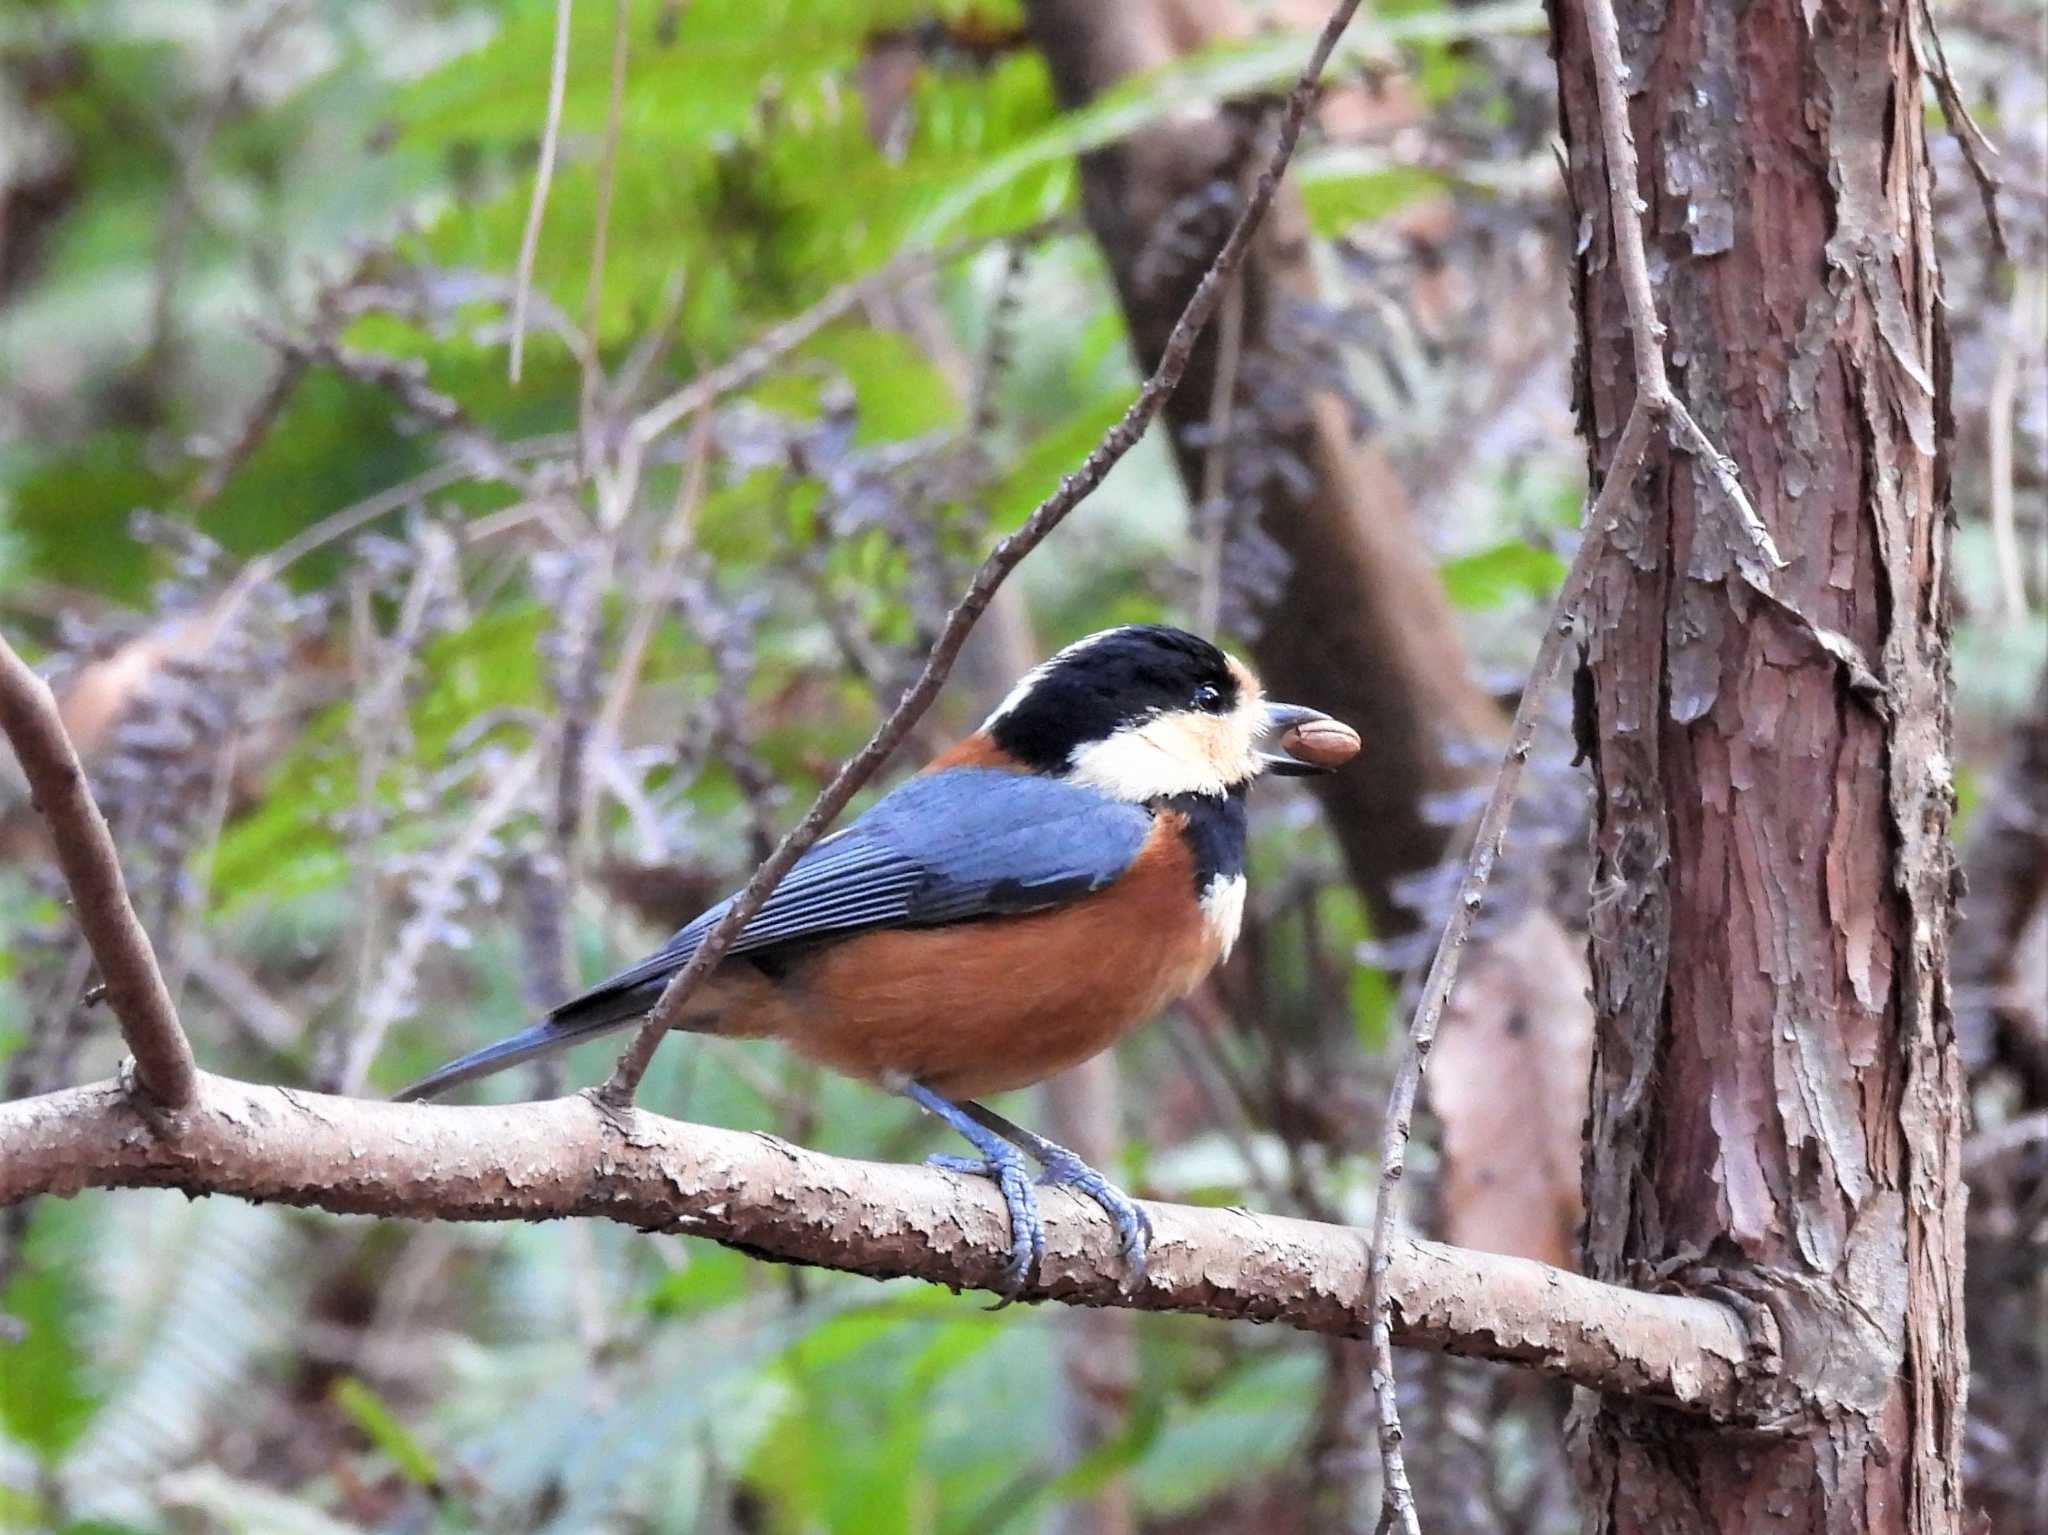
415, 694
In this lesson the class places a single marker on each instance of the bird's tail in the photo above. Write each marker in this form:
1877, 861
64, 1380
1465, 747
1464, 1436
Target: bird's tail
570, 1024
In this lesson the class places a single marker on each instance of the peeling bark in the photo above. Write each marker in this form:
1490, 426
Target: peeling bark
1777, 1100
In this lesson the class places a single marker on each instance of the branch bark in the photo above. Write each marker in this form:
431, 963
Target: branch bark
99, 895
567, 1157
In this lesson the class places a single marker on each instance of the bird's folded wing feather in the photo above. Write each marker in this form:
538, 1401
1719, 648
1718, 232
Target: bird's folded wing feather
943, 847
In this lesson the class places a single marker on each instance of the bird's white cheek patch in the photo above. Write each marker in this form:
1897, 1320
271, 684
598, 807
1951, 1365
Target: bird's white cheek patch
1223, 911
1180, 753
1140, 763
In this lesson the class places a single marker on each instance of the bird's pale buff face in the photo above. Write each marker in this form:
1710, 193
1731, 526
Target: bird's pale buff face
1179, 751
1146, 713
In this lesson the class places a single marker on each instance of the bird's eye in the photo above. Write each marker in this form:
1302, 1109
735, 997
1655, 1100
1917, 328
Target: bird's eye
1208, 697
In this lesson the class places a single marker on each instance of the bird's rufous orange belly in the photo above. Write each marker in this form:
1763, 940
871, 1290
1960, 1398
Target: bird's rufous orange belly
983, 1007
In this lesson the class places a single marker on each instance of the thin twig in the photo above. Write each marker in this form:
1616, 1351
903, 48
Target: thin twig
189, 153
1197, 1050
1653, 400
543, 175
1216, 455
99, 895
188, 900
1216, 459
863, 656
329, 315
574, 650
380, 667
1653, 386
255, 1013
1978, 151
677, 538
1998, 426
1398, 1499
1004, 558
607, 177
354, 518
1654, 403
390, 997
285, 375
1646, 331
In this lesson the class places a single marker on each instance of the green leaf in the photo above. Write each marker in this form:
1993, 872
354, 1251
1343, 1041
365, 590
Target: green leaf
1339, 194
710, 1277
1035, 472
47, 1393
71, 511
1257, 66
381, 1427
1495, 576
1255, 1420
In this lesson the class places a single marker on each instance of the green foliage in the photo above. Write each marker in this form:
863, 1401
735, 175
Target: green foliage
47, 1390
1255, 1418
1266, 63
1492, 577
1339, 196
380, 1425
725, 121
70, 512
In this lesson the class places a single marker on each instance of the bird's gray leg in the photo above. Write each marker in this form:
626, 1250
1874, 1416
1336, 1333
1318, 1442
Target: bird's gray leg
1065, 1169
1001, 1162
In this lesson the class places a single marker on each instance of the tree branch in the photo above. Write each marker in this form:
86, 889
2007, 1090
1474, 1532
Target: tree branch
99, 895
566, 1157
543, 176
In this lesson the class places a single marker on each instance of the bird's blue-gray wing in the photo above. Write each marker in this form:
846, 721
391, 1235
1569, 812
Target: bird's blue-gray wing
943, 847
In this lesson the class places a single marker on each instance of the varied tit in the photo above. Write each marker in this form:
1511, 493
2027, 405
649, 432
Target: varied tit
1064, 873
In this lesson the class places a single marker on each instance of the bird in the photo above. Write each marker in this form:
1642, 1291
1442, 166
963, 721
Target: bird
1067, 871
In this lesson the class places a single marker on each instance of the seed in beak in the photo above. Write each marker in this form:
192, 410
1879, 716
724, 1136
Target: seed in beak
1321, 742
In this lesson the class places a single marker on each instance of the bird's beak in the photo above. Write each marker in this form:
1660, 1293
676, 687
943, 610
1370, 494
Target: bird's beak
1311, 741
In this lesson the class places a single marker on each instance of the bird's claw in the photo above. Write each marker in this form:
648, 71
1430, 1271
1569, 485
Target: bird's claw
1002, 1146
1133, 1226
1027, 1229
1062, 1169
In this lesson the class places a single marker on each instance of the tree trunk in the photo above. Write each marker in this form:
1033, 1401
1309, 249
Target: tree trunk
1777, 1098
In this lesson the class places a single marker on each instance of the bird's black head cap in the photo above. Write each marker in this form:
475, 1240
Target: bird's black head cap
1106, 682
